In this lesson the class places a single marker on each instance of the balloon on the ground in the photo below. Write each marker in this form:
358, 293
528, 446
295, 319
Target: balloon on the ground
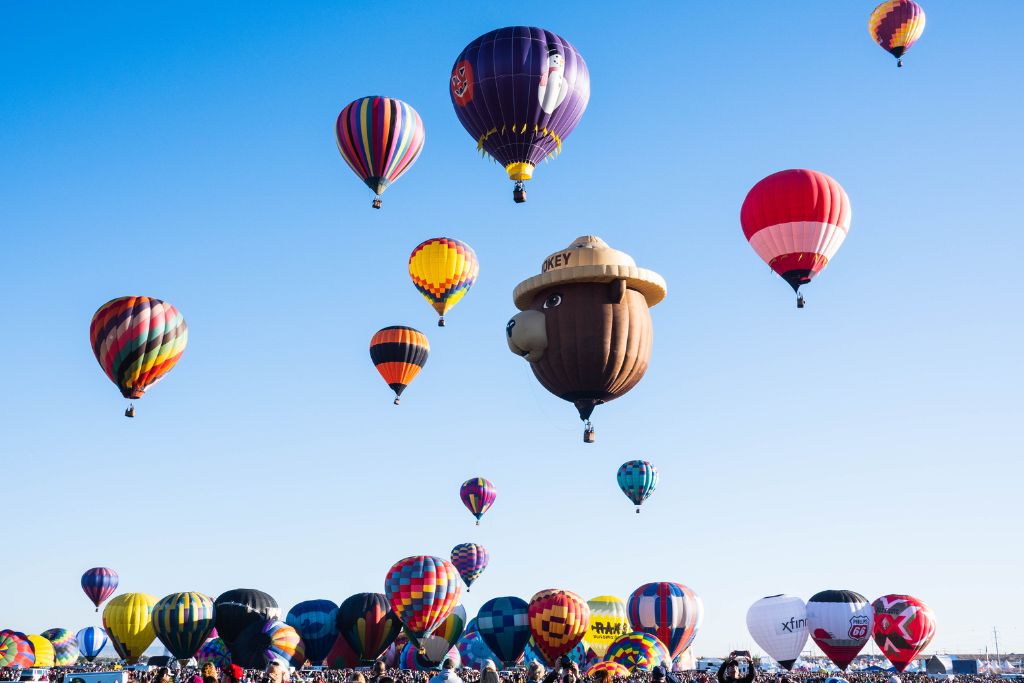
519, 92
65, 646
128, 621
44, 651
669, 611
558, 621
504, 625
317, 624
236, 609
16, 649
638, 651
443, 638
614, 669
263, 642
585, 326
896, 25
215, 651
412, 660
778, 623
379, 138
839, 622
637, 479
478, 496
91, 641
470, 559
474, 651
341, 656
422, 590
902, 627
399, 353
531, 653
137, 341
442, 270
608, 621
182, 622
796, 220
99, 583
368, 625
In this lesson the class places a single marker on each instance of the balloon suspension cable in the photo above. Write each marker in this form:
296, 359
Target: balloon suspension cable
800, 301
440, 321
376, 202
128, 412
589, 435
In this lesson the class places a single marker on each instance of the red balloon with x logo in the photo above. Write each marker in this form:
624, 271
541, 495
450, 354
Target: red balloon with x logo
903, 627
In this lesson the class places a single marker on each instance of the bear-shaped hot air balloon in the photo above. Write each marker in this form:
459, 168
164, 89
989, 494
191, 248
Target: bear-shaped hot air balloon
585, 325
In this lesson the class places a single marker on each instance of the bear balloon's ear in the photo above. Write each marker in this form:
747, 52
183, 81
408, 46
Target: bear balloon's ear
616, 290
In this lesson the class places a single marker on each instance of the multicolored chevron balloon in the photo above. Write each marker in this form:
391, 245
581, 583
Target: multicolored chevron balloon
471, 560
422, 590
614, 669
215, 651
558, 621
16, 649
638, 651
896, 25
64, 644
442, 270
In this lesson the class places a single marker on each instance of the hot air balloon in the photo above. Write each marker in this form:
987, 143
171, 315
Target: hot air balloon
238, 608
128, 620
91, 641
366, 622
422, 591
16, 649
380, 138
137, 340
637, 479
840, 624
533, 654
342, 656
638, 651
263, 642
478, 496
778, 624
669, 611
413, 660
896, 25
399, 354
614, 669
519, 92
903, 626
182, 622
474, 651
558, 621
317, 624
99, 583
65, 646
44, 651
608, 621
585, 326
215, 651
471, 561
796, 220
434, 646
443, 269
504, 624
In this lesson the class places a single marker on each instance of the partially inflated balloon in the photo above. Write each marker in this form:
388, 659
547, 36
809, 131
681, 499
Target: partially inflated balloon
443, 638
16, 649
137, 340
443, 269
263, 642
65, 646
413, 660
558, 621
903, 627
128, 620
380, 138
840, 624
608, 621
478, 496
504, 624
614, 669
99, 583
342, 656
91, 641
638, 651
637, 479
182, 622
215, 651
474, 650
240, 607
368, 625
422, 590
44, 651
519, 92
399, 353
317, 624
778, 624
471, 560
669, 611
896, 25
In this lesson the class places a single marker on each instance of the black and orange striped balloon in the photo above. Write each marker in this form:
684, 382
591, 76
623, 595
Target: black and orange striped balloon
399, 352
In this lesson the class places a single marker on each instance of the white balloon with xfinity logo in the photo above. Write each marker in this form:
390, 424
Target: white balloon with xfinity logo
778, 624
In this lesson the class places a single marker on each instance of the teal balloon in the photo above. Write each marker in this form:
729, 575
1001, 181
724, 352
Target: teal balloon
637, 479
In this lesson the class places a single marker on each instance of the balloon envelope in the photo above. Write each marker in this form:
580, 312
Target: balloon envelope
128, 621
399, 353
99, 583
637, 479
238, 608
215, 651
478, 495
65, 646
558, 621
263, 642
368, 625
504, 625
778, 624
902, 627
669, 611
638, 651
614, 669
470, 559
44, 651
91, 641
422, 590
317, 624
16, 649
840, 624
896, 25
442, 270
608, 621
182, 622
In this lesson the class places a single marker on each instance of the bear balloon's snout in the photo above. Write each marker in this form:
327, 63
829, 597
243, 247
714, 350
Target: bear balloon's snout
526, 334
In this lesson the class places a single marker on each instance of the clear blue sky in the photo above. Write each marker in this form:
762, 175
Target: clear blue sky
870, 441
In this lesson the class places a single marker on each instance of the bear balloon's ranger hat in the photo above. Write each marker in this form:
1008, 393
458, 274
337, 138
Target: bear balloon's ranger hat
590, 259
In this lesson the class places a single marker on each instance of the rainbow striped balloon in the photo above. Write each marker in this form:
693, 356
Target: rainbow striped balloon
896, 25
614, 669
16, 649
380, 138
638, 651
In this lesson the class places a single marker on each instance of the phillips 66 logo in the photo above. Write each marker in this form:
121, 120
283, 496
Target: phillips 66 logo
859, 627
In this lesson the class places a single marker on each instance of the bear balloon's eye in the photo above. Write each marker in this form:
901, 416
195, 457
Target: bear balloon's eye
553, 301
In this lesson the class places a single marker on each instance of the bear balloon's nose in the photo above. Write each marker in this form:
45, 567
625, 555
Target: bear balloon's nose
526, 334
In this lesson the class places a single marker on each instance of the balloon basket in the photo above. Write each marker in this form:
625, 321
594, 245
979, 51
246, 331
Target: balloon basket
128, 412
376, 203
638, 511
398, 401
589, 435
440, 321
519, 192
800, 302
478, 522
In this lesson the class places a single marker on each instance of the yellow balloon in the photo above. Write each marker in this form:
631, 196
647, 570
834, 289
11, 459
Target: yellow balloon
128, 620
45, 654
443, 269
608, 620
